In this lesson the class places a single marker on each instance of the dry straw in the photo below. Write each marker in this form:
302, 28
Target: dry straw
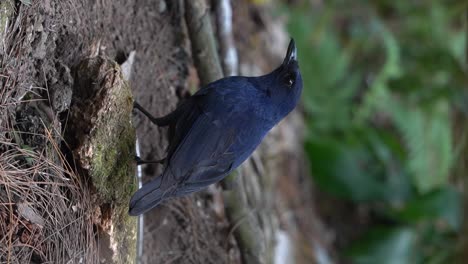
44, 206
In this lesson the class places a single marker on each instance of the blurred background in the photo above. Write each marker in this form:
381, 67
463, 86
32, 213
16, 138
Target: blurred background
385, 105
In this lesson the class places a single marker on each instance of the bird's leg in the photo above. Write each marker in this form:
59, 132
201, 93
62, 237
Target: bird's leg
146, 113
139, 161
159, 121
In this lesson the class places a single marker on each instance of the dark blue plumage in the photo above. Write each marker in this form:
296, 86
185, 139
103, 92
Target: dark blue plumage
218, 128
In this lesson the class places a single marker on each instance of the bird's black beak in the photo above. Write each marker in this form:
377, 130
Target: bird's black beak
291, 55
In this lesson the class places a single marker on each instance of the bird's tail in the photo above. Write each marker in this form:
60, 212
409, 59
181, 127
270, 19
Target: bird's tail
148, 197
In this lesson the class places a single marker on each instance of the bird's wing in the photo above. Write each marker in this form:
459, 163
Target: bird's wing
198, 155
201, 151
213, 99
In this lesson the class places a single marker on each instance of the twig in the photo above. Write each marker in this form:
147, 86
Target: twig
204, 53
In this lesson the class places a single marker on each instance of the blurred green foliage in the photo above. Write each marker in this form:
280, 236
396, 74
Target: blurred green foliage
380, 81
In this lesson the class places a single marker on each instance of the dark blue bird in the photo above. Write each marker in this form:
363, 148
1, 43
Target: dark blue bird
218, 128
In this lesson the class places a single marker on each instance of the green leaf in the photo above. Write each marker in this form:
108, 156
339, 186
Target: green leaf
428, 137
357, 168
385, 246
392, 69
379, 92
329, 83
443, 207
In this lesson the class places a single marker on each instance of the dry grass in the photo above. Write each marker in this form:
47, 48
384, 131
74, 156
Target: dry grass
44, 209
44, 206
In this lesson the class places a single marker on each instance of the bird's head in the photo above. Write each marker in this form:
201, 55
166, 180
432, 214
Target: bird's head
284, 85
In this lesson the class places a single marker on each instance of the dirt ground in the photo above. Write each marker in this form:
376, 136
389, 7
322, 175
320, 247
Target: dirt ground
49, 37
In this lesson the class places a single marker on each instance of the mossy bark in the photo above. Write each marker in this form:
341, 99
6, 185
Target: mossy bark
102, 138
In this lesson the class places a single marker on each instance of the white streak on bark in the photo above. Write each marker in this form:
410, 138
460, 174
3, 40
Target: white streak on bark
284, 251
141, 225
226, 41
